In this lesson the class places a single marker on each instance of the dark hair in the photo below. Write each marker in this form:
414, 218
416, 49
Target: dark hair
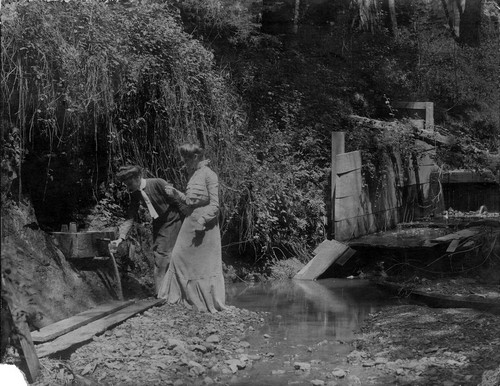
190, 150
127, 172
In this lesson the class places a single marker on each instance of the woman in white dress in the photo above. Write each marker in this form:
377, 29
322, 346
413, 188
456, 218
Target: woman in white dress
194, 277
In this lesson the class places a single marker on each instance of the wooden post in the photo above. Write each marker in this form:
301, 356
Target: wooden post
338, 147
119, 290
29, 356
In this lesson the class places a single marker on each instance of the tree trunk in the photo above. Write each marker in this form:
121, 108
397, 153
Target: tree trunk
470, 23
296, 16
392, 14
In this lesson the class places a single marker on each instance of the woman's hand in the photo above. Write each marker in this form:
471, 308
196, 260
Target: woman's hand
199, 226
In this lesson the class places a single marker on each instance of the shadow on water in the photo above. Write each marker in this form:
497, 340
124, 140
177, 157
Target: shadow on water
309, 320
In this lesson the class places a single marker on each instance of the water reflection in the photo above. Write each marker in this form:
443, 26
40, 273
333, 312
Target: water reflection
306, 312
309, 321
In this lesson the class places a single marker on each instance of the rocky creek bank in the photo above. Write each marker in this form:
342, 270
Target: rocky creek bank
170, 345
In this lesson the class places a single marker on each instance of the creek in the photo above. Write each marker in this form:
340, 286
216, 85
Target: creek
309, 322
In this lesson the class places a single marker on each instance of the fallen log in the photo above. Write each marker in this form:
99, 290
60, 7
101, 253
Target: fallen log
440, 301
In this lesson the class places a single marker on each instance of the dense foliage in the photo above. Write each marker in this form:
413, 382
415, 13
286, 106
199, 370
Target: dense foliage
93, 85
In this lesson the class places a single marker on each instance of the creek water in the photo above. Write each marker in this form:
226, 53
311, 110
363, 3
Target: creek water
309, 321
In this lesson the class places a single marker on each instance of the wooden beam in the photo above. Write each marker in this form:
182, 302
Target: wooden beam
64, 326
86, 333
426, 135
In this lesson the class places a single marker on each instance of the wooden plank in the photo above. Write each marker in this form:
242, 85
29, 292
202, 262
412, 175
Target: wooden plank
348, 207
348, 162
345, 257
64, 326
325, 244
29, 353
453, 245
319, 264
338, 147
86, 333
349, 184
460, 235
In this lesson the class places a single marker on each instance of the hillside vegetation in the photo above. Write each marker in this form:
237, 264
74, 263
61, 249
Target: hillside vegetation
90, 86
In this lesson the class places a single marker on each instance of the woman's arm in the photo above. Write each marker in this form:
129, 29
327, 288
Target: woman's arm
211, 210
178, 197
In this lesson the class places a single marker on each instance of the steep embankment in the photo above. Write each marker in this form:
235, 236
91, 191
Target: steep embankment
50, 285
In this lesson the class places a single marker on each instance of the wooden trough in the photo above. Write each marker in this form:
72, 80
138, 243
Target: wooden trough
326, 254
82, 245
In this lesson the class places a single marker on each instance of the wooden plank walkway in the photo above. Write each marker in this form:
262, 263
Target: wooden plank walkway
62, 327
86, 332
328, 252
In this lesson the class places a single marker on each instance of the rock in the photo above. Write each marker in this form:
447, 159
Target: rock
339, 373
332, 383
368, 363
356, 356
304, 366
411, 365
199, 348
208, 381
317, 382
353, 380
213, 339
400, 371
309, 349
381, 361
278, 372
266, 336
172, 343
235, 364
448, 383
244, 344
491, 377
244, 358
195, 364
254, 357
